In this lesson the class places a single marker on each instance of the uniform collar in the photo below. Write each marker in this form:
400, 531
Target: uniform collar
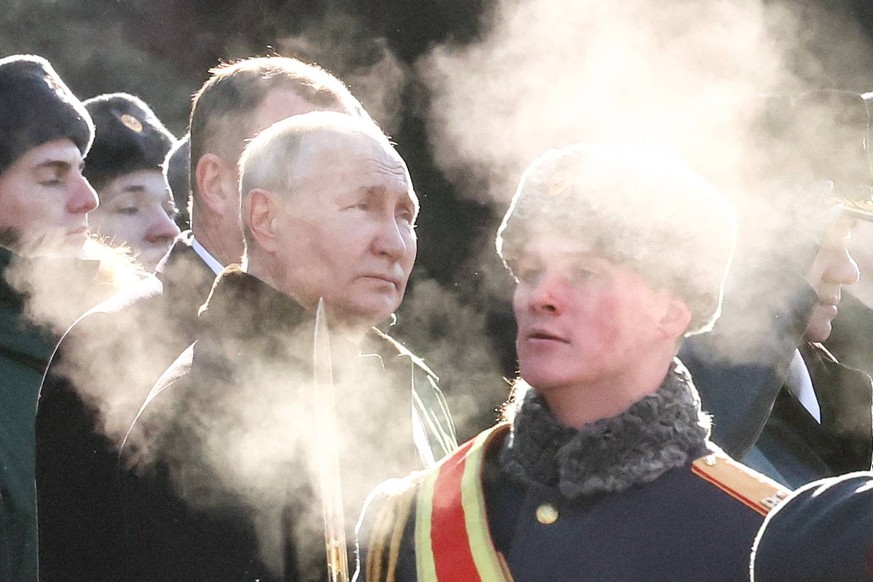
659, 432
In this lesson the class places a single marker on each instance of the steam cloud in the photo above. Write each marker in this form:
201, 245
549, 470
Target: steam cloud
679, 75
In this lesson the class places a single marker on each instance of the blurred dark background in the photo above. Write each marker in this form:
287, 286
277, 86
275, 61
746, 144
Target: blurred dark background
161, 50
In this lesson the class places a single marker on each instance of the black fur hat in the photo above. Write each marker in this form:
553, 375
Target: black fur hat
36, 107
128, 137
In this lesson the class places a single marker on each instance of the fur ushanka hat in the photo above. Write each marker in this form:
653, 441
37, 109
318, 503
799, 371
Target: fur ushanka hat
128, 137
634, 206
36, 107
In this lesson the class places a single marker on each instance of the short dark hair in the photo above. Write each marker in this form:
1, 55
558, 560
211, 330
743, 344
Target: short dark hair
221, 112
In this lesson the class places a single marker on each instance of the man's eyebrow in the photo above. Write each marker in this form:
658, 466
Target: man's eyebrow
59, 165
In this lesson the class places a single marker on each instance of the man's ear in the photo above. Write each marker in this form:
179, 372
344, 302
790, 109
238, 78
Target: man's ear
216, 184
260, 212
676, 318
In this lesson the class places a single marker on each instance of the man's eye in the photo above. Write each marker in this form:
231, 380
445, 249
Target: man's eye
128, 210
50, 180
579, 275
527, 274
406, 216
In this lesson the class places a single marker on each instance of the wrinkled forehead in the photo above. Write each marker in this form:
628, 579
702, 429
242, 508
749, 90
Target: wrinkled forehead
356, 155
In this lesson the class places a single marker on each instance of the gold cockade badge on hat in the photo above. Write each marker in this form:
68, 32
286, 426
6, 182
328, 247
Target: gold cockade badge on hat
559, 183
131, 122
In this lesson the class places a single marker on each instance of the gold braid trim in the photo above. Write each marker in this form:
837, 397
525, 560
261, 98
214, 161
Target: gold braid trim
388, 528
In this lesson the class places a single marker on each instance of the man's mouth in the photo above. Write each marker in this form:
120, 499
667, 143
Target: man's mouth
544, 335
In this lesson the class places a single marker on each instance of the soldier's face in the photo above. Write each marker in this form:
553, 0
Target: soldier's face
583, 321
347, 231
45, 200
832, 268
136, 209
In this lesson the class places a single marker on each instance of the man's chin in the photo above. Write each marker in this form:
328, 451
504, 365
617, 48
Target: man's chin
368, 314
72, 246
817, 331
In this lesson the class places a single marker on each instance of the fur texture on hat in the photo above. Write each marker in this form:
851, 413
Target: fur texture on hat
128, 137
36, 107
633, 206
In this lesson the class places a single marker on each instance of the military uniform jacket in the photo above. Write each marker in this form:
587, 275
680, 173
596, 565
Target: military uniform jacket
198, 504
545, 504
823, 531
108, 360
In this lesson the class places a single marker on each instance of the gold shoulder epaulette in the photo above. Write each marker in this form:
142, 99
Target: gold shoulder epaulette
746, 485
390, 504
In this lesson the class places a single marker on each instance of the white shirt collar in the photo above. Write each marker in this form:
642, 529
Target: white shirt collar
207, 258
800, 384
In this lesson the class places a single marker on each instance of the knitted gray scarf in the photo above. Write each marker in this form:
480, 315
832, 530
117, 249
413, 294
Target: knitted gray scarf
656, 434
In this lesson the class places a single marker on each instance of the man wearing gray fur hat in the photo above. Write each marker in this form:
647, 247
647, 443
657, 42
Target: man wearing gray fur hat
604, 469
125, 166
45, 133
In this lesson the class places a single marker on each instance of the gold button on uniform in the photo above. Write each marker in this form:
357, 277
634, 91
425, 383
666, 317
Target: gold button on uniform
547, 514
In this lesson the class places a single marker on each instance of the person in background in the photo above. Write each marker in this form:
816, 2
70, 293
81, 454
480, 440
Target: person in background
604, 470
125, 168
107, 362
782, 403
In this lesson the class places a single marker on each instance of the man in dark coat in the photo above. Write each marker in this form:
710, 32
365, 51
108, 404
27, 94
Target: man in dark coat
44, 200
106, 363
780, 401
221, 450
606, 471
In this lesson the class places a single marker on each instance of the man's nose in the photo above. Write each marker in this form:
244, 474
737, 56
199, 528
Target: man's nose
162, 229
842, 268
82, 197
548, 292
391, 241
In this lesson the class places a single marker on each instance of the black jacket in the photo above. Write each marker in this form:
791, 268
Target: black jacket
107, 360
219, 487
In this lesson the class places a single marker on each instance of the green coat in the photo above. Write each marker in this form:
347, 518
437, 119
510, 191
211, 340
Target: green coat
24, 353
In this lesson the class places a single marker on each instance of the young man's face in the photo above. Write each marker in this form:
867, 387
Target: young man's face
832, 268
582, 319
347, 231
136, 209
44, 201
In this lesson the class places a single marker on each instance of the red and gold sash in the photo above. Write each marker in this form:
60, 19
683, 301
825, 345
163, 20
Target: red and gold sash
452, 539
